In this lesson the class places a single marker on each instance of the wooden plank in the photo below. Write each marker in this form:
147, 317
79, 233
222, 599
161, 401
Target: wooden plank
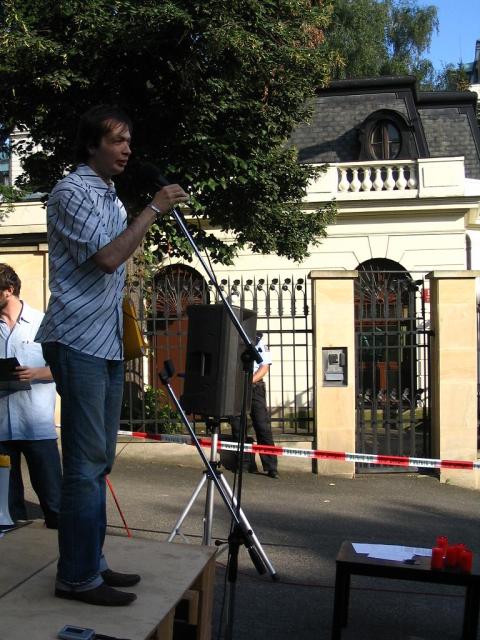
204, 585
168, 570
164, 631
193, 599
27, 553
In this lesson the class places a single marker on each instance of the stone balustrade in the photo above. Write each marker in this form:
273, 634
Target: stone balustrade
377, 176
396, 179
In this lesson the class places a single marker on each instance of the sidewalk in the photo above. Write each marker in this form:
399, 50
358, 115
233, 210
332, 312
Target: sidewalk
301, 520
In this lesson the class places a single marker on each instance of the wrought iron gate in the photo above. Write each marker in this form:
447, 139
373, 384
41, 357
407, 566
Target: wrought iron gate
392, 362
283, 316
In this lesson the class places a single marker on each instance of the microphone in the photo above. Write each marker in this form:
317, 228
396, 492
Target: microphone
161, 181
150, 174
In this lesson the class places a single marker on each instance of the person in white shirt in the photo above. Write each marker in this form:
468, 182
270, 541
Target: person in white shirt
27, 417
259, 411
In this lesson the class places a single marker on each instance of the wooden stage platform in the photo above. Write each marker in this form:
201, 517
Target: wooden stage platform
170, 572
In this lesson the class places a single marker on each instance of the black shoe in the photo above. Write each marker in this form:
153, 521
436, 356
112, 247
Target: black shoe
272, 474
116, 579
51, 523
103, 595
252, 470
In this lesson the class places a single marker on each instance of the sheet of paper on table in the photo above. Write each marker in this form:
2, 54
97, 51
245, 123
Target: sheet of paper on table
390, 551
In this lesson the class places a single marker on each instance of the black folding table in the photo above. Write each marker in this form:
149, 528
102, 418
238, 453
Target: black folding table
351, 563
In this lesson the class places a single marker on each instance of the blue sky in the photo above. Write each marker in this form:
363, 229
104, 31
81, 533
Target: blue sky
458, 31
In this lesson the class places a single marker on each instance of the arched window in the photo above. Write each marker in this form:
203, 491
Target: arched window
176, 287
383, 286
386, 135
385, 141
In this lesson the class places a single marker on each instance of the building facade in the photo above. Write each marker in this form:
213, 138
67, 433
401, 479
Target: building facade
404, 170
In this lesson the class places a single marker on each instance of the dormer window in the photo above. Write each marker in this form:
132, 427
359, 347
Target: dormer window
386, 135
385, 141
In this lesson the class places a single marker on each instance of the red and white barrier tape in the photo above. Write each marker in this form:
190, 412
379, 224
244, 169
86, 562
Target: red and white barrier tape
317, 454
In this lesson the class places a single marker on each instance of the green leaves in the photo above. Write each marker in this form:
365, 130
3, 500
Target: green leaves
214, 89
382, 37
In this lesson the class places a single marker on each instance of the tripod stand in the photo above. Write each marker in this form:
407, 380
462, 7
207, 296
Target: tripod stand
213, 476
214, 428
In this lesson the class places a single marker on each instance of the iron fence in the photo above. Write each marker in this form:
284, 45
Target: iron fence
283, 316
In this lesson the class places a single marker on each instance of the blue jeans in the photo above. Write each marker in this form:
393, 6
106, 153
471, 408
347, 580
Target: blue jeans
43, 461
91, 390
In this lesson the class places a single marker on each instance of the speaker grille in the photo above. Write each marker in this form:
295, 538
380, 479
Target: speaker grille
213, 383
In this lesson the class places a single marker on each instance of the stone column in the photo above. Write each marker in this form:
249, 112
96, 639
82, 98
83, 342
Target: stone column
453, 352
334, 328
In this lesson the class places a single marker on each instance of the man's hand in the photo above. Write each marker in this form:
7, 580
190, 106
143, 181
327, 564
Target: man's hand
169, 196
112, 255
33, 373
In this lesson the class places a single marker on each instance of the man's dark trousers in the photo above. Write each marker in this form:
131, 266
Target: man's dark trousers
43, 463
261, 424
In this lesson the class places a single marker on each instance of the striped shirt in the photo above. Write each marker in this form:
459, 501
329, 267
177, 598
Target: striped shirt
85, 307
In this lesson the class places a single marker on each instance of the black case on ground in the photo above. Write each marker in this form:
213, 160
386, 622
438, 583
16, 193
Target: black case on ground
229, 459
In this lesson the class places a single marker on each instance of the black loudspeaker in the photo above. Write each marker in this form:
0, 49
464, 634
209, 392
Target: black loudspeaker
214, 371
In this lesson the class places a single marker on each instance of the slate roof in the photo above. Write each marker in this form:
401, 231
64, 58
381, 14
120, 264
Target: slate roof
443, 124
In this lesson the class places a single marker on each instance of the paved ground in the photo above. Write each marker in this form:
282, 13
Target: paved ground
301, 520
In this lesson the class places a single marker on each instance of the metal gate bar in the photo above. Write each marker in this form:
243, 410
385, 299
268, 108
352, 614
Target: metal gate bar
392, 362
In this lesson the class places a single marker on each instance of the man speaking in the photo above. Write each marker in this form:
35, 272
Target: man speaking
81, 336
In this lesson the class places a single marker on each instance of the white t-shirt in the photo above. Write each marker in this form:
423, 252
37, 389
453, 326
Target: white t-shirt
265, 354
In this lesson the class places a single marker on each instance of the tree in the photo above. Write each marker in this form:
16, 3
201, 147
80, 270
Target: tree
452, 78
214, 89
382, 37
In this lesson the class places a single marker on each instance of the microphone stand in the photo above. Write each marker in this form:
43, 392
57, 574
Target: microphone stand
246, 535
240, 533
